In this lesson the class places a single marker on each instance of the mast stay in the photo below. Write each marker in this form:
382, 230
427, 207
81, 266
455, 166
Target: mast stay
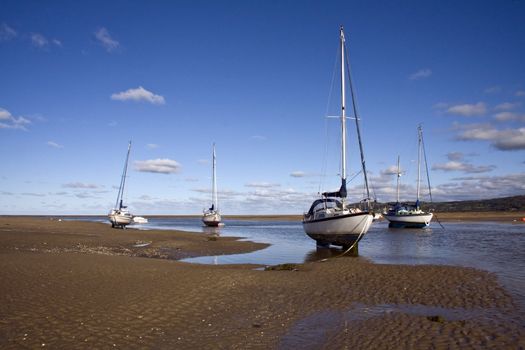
120, 194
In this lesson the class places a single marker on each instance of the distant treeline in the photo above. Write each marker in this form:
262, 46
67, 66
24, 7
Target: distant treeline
515, 203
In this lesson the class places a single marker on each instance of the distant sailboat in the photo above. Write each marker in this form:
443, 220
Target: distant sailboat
120, 216
140, 220
330, 220
406, 214
212, 217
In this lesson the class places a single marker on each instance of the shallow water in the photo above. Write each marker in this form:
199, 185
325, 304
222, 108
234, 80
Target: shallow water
490, 246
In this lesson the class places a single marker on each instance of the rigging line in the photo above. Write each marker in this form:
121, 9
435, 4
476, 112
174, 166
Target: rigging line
352, 246
426, 164
355, 175
356, 115
325, 155
428, 177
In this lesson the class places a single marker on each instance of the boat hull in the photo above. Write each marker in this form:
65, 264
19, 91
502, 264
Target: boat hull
342, 230
117, 219
409, 221
211, 219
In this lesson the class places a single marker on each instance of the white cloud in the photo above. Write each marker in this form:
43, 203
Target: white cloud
6, 32
161, 166
261, 185
80, 185
420, 74
463, 166
520, 93
138, 94
391, 170
508, 116
297, 174
152, 145
38, 40
493, 89
504, 140
506, 106
106, 40
57, 42
8, 121
510, 140
54, 144
4, 114
468, 110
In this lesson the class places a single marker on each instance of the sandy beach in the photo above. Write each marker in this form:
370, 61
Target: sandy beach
68, 284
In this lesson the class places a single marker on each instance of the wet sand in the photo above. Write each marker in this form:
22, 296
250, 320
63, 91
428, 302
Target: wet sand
84, 285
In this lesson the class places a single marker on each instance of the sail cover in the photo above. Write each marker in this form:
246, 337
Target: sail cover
338, 194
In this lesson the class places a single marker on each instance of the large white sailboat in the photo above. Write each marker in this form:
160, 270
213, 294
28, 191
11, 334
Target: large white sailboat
331, 220
119, 216
211, 216
407, 215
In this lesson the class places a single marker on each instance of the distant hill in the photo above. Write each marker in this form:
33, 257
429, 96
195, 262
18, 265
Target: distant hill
515, 203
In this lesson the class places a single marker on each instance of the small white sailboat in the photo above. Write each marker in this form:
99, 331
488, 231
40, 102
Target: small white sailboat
330, 219
140, 220
120, 216
211, 216
407, 215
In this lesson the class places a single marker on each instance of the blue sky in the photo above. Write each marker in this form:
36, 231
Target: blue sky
80, 79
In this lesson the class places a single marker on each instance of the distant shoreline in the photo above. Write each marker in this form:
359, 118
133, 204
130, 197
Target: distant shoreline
499, 216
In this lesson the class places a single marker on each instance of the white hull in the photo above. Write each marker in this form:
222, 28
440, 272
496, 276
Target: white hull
340, 230
410, 220
120, 219
211, 219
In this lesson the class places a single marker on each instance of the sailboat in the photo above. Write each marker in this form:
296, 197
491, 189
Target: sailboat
330, 219
405, 214
119, 216
212, 217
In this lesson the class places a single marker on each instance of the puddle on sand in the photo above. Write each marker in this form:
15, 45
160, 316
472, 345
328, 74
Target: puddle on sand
314, 330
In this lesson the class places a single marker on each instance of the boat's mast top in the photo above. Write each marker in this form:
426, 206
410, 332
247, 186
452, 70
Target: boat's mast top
419, 138
343, 105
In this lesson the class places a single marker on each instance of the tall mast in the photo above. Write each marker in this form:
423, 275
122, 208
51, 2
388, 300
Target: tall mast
418, 162
214, 182
123, 180
343, 112
358, 129
398, 176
